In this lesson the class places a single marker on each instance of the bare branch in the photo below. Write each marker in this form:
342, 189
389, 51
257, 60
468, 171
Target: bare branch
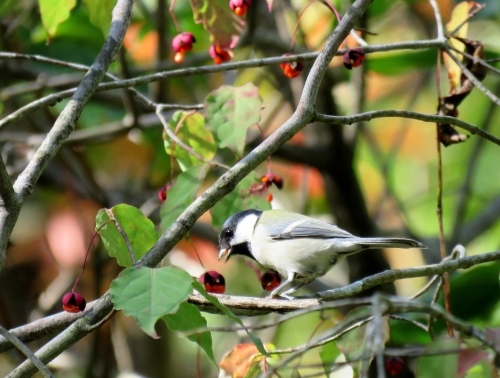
146, 79
26, 351
439, 21
368, 116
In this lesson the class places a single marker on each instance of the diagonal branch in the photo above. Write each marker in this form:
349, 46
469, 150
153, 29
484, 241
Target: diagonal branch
7, 194
26, 351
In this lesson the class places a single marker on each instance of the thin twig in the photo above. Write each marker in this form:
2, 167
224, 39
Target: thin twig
439, 21
439, 213
368, 116
26, 351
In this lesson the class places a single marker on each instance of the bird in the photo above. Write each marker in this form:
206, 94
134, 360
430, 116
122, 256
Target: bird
298, 247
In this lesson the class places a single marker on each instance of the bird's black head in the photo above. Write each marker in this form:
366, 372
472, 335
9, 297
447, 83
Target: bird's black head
236, 234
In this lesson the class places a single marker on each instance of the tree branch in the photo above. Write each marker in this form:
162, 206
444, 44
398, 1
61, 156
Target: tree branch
26, 351
368, 116
146, 79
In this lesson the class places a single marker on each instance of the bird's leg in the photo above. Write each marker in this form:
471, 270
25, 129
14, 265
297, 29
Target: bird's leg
287, 293
288, 281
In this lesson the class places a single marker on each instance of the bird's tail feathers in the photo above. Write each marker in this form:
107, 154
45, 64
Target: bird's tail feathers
391, 243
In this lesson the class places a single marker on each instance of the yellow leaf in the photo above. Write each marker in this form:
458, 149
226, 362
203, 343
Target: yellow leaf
458, 16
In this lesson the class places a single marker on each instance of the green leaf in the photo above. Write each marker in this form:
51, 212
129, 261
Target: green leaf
193, 133
138, 229
255, 340
219, 20
230, 111
188, 318
441, 365
328, 354
100, 13
149, 294
182, 194
53, 12
236, 201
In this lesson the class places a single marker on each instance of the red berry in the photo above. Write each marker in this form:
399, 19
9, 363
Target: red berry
73, 302
239, 7
162, 194
182, 43
292, 69
270, 280
394, 365
269, 197
353, 58
213, 281
218, 54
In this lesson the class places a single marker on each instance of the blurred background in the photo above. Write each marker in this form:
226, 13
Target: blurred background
376, 178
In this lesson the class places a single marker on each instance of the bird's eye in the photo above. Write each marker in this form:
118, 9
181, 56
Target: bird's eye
228, 233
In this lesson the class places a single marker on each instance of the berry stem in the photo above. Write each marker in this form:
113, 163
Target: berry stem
172, 14
196, 251
87, 254
294, 35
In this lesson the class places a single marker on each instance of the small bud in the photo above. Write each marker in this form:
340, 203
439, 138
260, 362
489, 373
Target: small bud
269, 197
353, 58
73, 302
213, 281
218, 54
270, 280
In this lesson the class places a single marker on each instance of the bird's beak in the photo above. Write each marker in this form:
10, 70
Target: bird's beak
224, 253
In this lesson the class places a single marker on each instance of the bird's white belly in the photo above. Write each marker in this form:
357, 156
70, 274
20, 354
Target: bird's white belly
309, 258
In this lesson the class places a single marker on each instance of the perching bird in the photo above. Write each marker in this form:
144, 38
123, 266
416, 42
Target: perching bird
298, 247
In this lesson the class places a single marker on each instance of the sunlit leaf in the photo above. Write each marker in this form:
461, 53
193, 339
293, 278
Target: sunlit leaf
219, 20
100, 13
458, 16
190, 129
181, 194
54, 12
136, 233
230, 111
328, 354
148, 294
188, 318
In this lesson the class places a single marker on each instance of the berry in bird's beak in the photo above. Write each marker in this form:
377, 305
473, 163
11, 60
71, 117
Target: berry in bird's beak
224, 254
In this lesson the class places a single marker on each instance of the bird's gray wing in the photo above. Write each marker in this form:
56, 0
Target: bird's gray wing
307, 228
